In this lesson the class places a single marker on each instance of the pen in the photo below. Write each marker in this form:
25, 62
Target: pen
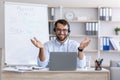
37, 68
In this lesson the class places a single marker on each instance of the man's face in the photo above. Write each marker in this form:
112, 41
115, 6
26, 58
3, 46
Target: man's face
61, 32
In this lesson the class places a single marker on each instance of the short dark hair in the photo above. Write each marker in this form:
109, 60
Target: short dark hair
63, 22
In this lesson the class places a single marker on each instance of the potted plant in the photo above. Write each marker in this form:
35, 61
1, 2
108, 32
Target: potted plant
117, 30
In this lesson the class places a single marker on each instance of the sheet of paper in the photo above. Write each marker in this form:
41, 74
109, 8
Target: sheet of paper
23, 68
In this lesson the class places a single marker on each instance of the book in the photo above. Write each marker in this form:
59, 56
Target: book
105, 45
51, 26
110, 14
96, 29
101, 14
116, 43
113, 45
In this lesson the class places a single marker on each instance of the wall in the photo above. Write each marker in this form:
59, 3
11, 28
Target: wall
1, 25
73, 2
0, 61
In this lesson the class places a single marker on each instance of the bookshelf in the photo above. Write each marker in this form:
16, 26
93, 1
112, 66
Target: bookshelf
78, 16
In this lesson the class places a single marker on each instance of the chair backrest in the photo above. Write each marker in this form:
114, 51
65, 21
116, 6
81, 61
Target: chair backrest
113, 63
114, 70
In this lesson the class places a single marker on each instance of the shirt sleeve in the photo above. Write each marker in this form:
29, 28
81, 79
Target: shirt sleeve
42, 63
81, 63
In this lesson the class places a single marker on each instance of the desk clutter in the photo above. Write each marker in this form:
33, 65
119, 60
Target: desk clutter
22, 68
98, 64
36, 68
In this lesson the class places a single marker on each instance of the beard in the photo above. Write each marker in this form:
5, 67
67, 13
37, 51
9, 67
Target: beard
61, 39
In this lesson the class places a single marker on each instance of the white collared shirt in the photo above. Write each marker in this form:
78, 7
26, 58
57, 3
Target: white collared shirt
55, 46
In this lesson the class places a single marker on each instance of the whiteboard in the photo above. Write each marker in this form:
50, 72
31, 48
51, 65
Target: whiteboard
23, 21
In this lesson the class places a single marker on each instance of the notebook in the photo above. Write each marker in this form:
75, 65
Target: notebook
63, 61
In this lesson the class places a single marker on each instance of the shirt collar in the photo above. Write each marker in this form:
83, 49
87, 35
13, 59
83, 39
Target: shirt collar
59, 44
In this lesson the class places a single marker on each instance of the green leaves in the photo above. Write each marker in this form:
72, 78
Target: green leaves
117, 29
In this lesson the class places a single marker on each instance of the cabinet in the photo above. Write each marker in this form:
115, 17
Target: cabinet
79, 17
107, 30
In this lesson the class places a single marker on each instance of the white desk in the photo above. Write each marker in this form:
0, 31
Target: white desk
90, 74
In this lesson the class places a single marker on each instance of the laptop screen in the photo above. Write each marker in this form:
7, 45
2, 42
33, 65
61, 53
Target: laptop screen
63, 61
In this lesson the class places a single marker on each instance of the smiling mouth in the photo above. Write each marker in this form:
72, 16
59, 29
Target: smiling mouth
61, 37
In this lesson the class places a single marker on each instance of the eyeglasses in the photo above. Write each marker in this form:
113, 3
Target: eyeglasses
64, 30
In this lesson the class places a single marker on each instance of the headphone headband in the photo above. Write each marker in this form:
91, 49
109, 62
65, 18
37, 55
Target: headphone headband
62, 21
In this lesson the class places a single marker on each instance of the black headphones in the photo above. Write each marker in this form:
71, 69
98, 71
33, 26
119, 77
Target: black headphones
62, 21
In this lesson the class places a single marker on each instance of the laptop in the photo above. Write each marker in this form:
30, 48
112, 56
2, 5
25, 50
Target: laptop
63, 61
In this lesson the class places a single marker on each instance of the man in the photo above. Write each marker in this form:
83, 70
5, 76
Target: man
62, 43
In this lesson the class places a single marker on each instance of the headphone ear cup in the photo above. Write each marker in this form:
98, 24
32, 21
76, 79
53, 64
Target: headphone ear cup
54, 30
69, 31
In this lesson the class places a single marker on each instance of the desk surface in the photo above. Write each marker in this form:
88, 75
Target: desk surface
47, 70
79, 74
